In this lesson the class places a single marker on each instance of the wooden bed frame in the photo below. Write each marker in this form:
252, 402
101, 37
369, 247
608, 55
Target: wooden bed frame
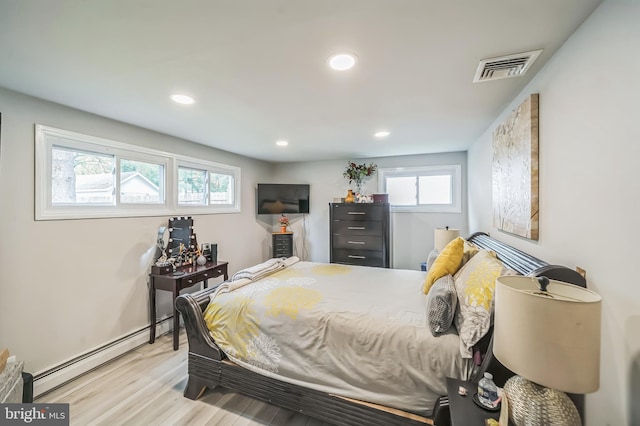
209, 366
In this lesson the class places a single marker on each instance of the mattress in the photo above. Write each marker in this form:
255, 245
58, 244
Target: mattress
353, 331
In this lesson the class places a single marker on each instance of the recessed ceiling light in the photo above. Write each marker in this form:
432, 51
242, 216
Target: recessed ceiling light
342, 61
282, 143
382, 134
182, 99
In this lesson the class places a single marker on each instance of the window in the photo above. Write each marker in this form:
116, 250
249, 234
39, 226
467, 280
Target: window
80, 176
141, 182
222, 185
205, 187
192, 186
423, 189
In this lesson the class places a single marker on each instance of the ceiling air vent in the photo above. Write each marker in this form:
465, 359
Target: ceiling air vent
505, 66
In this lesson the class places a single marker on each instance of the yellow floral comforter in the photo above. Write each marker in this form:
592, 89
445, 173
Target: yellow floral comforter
353, 331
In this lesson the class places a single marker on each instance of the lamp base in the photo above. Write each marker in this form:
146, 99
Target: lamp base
532, 404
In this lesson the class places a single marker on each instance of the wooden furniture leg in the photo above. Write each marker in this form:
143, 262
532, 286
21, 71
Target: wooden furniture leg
176, 319
152, 310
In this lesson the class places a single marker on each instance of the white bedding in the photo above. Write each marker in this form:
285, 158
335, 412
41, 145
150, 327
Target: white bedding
353, 331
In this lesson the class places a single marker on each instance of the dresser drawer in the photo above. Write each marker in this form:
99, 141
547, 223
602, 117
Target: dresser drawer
282, 244
358, 257
355, 211
354, 227
357, 242
191, 279
279, 251
282, 253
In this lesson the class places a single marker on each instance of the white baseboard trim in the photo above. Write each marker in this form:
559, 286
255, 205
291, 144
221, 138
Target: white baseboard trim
54, 377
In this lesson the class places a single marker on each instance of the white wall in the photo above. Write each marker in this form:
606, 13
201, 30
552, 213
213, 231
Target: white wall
69, 286
589, 188
412, 233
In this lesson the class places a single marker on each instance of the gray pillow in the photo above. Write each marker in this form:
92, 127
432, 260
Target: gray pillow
441, 305
432, 258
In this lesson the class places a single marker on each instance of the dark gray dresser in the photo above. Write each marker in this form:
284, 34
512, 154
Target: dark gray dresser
359, 234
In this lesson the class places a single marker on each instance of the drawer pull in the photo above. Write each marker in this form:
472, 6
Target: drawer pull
190, 282
356, 227
361, 213
219, 271
355, 242
206, 275
353, 256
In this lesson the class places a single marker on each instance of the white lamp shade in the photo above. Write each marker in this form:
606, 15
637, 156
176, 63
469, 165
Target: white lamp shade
443, 236
552, 341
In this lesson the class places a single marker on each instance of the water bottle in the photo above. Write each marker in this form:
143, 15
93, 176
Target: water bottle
487, 390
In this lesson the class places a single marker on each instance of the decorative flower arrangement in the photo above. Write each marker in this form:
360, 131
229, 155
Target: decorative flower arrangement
283, 220
358, 172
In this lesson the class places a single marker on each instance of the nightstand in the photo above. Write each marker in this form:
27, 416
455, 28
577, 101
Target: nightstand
463, 411
282, 244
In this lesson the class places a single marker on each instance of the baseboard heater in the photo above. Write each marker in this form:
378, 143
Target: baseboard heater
48, 380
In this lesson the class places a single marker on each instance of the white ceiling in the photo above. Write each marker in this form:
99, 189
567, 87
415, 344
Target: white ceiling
257, 68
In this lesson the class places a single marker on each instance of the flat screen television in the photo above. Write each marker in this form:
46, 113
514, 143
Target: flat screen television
277, 198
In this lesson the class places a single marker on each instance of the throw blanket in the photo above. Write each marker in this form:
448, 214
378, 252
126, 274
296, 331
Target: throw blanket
228, 286
352, 331
263, 269
248, 275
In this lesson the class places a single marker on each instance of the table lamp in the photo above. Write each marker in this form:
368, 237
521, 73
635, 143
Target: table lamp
443, 236
548, 333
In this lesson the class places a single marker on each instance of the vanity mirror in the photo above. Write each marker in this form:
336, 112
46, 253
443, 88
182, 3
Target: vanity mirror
181, 238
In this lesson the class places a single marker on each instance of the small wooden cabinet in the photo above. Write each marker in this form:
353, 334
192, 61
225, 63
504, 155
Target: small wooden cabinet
360, 234
282, 243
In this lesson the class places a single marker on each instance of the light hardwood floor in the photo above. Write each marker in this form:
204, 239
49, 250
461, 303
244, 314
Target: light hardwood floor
144, 387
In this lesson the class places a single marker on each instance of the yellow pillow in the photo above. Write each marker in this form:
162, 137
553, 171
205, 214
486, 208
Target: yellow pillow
475, 283
448, 262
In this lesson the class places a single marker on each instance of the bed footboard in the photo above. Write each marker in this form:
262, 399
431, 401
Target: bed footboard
204, 353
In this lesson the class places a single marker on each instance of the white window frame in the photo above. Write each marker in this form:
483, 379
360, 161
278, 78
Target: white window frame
209, 167
46, 137
453, 170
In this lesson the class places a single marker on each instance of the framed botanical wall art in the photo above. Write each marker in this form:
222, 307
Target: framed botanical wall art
515, 171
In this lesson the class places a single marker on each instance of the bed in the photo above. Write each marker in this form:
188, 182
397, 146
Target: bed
334, 382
